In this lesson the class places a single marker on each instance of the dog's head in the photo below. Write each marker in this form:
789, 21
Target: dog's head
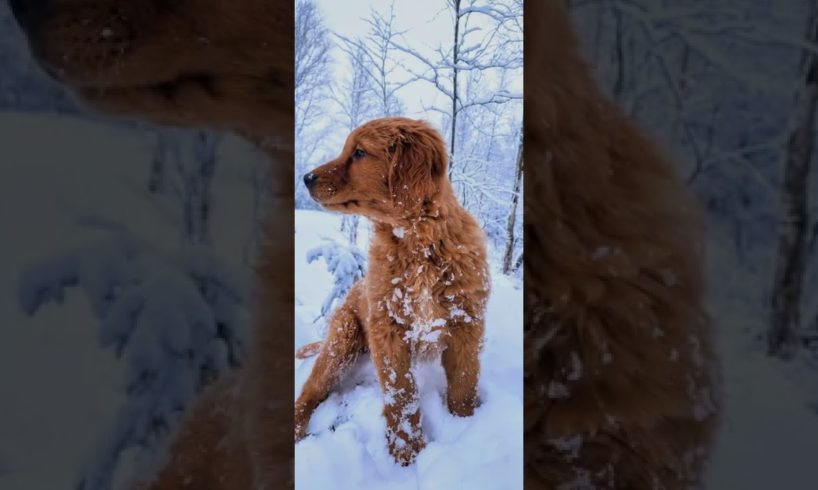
182, 62
388, 170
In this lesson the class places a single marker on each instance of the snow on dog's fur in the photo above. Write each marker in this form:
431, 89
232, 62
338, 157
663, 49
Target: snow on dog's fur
426, 289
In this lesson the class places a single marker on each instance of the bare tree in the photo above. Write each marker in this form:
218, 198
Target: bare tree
512, 214
355, 95
183, 167
349, 227
455, 4
791, 257
312, 48
198, 180
159, 162
488, 142
312, 82
473, 48
377, 62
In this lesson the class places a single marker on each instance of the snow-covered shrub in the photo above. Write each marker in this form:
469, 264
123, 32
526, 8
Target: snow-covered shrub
177, 321
346, 263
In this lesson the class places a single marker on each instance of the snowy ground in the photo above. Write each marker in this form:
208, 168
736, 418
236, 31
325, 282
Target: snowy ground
59, 390
769, 432
348, 448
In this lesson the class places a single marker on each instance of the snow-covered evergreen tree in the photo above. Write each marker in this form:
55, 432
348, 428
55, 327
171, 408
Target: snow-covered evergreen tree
177, 322
346, 264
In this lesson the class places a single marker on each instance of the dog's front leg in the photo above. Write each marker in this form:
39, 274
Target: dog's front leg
401, 408
461, 362
339, 352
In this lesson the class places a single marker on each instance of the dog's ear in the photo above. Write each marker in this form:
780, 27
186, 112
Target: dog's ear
418, 163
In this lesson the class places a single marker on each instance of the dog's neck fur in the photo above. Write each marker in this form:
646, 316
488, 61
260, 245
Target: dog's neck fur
439, 205
419, 234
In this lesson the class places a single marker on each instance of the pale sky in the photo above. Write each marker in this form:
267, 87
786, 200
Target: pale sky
429, 25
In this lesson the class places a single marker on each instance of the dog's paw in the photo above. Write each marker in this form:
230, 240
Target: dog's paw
462, 407
300, 430
302, 420
405, 449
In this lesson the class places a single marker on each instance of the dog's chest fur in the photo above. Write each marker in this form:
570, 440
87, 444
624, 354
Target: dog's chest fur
416, 286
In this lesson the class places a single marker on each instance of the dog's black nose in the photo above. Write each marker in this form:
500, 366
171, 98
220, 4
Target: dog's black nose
28, 12
310, 179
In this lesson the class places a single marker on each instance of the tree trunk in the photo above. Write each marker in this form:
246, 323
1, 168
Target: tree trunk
679, 103
512, 215
156, 180
349, 226
619, 56
455, 70
518, 263
198, 191
791, 258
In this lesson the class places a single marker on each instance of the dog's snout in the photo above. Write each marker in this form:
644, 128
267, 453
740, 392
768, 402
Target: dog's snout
310, 179
28, 12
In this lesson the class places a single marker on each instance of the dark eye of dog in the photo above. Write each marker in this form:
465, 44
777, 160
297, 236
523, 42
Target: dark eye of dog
358, 154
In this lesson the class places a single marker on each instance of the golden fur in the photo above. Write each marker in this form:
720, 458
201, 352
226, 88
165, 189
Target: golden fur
202, 63
427, 285
619, 390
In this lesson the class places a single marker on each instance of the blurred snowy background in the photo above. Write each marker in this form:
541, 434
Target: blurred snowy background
728, 87
457, 65
125, 265
108, 217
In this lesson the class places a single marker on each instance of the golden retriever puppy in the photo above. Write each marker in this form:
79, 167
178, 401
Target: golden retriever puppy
428, 281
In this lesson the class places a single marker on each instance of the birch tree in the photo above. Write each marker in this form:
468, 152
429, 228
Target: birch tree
512, 214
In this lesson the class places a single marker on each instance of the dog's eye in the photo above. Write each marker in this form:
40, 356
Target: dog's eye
358, 154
